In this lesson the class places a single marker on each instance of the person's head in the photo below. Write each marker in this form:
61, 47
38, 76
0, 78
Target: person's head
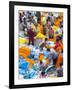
60, 38
23, 13
32, 28
48, 49
38, 21
51, 14
30, 13
57, 39
46, 39
41, 62
56, 18
19, 14
48, 18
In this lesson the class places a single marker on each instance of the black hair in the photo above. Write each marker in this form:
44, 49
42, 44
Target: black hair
48, 49
48, 18
41, 62
20, 14
46, 39
51, 14
43, 73
57, 38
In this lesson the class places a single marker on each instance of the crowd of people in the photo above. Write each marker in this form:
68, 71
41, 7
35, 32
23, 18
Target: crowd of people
40, 44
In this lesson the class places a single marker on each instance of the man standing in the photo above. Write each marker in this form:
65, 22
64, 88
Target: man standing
31, 36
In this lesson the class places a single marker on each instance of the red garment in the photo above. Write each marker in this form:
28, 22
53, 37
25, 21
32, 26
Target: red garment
57, 44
